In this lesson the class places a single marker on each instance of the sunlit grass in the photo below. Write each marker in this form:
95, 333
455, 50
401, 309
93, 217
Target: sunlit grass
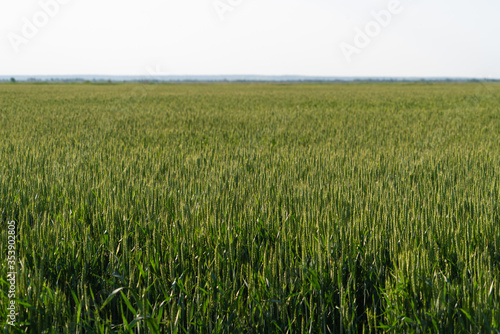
253, 207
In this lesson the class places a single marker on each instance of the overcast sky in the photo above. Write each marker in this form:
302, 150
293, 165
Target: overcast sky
423, 38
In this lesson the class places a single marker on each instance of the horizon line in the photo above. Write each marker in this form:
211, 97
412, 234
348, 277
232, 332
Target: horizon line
230, 77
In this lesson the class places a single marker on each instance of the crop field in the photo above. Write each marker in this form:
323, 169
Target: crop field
252, 208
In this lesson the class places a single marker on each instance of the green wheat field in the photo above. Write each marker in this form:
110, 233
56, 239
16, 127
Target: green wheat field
252, 208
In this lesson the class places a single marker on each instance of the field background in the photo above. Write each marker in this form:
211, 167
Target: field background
252, 207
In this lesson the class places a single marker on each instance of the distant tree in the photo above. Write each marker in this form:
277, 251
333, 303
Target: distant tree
13, 80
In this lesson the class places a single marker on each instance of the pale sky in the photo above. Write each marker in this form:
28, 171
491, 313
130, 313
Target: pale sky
419, 38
